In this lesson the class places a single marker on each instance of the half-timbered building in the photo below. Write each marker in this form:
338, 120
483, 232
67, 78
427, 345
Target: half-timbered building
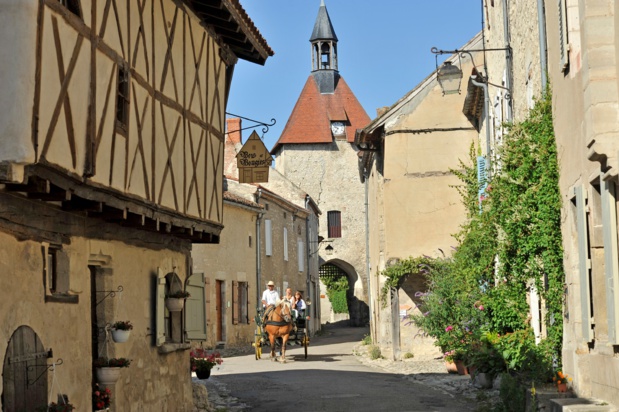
112, 118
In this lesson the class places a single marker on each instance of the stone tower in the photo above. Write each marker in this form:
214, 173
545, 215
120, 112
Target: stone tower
316, 152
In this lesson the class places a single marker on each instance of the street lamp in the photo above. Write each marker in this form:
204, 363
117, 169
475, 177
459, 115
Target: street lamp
449, 77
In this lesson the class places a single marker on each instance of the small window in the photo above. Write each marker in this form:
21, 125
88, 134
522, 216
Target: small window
57, 275
334, 223
250, 241
73, 6
286, 244
122, 99
240, 303
169, 319
268, 238
301, 254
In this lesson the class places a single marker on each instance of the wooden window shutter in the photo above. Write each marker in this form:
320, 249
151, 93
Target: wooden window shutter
207, 293
334, 223
286, 244
584, 263
235, 302
195, 308
160, 309
611, 264
246, 309
268, 238
301, 254
563, 40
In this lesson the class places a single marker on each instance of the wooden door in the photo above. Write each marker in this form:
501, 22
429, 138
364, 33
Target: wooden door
24, 383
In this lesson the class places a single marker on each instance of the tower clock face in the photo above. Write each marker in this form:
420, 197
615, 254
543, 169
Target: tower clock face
338, 128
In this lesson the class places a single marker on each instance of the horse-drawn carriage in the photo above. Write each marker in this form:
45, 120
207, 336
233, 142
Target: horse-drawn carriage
279, 328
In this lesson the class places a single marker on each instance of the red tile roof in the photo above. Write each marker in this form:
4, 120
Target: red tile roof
310, 121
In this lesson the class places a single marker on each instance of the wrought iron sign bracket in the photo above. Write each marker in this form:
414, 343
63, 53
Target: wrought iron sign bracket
265, 127
47, 367
109, 293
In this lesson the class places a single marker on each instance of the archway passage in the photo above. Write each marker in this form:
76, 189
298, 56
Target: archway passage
343, 305
24, 373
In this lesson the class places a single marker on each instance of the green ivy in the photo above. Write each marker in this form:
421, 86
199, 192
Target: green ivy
337, 288
509, 242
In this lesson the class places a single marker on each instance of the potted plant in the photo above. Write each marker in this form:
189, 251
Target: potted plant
57, 407
175, 301
108, 369
121, 331
561, 379
202, 362
101, 398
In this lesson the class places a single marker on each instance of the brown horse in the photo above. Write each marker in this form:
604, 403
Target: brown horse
278, 324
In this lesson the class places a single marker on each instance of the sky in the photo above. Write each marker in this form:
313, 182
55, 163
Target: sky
383, 52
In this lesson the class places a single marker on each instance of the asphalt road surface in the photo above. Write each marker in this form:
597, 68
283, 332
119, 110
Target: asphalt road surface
330, 379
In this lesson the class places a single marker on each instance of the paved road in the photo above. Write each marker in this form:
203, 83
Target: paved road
330, 379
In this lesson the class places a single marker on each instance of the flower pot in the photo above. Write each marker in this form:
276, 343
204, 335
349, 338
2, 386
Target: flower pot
174, 304
108, 376
203, 373
461, 368
120, 336
451, 367
562, 387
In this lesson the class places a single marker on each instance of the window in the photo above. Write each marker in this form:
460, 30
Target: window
334, 223
609, 216
73, 6
268, 238
122, 99
240, 303
169, 328
286, 244
301, 254
57, 272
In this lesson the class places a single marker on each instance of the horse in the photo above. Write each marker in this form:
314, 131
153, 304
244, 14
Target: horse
278, 324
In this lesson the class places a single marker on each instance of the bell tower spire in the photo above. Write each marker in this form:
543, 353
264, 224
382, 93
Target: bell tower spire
324, 51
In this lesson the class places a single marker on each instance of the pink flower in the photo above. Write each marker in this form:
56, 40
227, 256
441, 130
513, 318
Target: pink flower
481, 307
449, 328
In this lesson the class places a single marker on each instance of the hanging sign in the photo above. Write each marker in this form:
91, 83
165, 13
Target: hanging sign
254, 161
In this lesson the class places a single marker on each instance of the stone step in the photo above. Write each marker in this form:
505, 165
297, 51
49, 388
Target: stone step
579, 405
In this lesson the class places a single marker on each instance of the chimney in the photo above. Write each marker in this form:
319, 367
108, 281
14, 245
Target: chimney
233, 125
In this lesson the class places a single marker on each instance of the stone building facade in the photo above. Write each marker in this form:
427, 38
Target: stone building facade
572, 45
407, 156
315, 152
105, 184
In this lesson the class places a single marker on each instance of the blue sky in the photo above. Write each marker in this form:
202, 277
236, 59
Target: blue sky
383, 45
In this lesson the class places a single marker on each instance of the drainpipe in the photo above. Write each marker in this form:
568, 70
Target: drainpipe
309, 259
487, 115
508, 61
367, 260
258, 260
541, 24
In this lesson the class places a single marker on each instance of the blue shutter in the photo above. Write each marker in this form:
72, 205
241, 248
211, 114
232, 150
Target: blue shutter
195, 308
611, 269
584, 263
268, 238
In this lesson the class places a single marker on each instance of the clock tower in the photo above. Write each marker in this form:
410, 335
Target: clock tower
316, 152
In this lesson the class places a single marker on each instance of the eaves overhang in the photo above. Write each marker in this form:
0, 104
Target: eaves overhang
231, 23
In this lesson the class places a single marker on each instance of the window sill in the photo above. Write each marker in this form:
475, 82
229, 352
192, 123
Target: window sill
62, 298
173, 347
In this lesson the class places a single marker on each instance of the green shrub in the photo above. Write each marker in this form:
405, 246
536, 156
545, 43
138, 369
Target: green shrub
408, 355
337, 288
367, 340
375, 352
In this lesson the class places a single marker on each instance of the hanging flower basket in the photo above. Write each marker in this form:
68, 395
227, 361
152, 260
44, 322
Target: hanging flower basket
107, 375
121, 331
176, 301
174, 304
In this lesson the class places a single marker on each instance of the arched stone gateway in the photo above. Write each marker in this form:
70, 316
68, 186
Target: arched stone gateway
357, 310
24, 374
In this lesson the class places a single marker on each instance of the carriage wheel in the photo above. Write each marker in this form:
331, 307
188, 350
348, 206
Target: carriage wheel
305, 342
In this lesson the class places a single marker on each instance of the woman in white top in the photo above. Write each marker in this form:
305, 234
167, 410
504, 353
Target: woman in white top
299, 305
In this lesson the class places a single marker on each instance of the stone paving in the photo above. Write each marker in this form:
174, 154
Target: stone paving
431, 372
